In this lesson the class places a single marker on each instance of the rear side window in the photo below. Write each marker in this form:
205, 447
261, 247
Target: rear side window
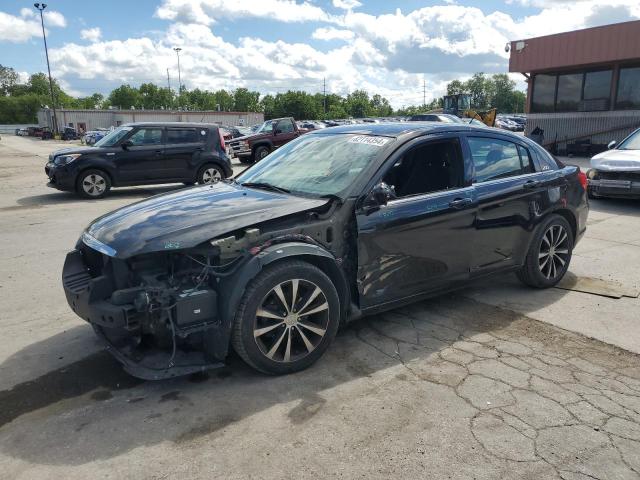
495, 159
182, 135
285, 126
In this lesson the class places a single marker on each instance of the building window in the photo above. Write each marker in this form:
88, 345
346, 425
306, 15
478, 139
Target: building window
597, 91
544, 92
628, 91
569, 92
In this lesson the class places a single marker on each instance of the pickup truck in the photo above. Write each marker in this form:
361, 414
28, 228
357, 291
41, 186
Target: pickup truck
270, 135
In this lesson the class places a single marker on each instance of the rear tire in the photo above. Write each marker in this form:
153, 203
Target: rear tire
93, 183
549, 254
210, 174
246, 160
290, 336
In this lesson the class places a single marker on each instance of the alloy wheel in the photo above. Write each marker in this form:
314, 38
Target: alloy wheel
211, 175
291, 321
94, 185
554, 252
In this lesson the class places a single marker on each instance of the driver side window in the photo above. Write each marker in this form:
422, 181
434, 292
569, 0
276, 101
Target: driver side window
285, 126
426, 168
146, 136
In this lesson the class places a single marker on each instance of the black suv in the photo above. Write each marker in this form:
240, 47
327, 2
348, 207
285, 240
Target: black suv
339, 223
142, 154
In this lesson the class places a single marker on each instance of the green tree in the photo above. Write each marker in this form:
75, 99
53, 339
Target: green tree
125, 97
455, 87
358, 105
8, 80
245, 100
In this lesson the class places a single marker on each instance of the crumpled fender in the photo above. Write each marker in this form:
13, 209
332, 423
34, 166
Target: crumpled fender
232, 288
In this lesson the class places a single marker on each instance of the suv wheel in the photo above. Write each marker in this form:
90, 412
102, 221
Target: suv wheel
549, 254
260, 153
288, 316
210, 174
93, 184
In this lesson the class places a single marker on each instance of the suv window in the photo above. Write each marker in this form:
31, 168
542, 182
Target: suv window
426, 168
494, 159
182, 135
147, 136
285, 126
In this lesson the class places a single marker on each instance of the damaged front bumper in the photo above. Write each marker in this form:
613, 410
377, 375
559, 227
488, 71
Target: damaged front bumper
194, 340
613, 183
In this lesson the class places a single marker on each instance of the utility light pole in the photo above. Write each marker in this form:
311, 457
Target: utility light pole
424, 92
324, 91
178, 50
40, 8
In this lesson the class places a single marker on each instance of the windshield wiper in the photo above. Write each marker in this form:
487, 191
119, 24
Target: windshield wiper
265, 186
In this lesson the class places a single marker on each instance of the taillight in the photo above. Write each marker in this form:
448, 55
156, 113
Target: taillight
222, 140
582, 177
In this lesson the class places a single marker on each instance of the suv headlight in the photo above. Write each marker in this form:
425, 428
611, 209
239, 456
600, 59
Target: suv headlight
65, 159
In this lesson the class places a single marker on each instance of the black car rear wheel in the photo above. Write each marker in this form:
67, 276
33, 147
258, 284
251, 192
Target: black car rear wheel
93, 184
549, 254
287, 318
210, 174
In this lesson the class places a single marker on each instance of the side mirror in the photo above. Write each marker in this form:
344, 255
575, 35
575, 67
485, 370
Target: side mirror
379, 196
127, 144
612, 144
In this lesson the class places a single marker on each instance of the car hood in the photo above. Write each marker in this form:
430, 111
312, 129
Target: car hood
248, 137
188, 217
69, 150
617, 161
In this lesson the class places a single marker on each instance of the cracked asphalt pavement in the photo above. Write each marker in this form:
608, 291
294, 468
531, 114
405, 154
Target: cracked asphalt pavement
446, 388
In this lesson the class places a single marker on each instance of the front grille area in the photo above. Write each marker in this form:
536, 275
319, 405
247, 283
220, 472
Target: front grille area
629, 176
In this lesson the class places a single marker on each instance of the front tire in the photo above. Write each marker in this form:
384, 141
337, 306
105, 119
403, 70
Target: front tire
288, 316
549, 255
260, 153
93, 184
210, 174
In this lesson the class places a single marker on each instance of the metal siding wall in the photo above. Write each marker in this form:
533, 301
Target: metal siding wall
566, 126
107, 118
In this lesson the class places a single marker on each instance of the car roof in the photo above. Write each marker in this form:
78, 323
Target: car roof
397, 129
171, 124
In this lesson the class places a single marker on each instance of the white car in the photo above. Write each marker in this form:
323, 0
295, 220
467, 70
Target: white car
616, 172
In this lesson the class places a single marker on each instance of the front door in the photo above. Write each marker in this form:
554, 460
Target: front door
420, 240
284, 132
142, 160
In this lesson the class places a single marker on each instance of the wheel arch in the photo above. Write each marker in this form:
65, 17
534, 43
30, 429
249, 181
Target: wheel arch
262, 143
570, 217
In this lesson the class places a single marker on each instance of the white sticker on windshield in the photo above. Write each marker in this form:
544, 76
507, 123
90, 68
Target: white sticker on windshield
368, 140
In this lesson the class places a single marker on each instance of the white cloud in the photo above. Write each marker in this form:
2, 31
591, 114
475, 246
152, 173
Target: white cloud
20, 29
347, 4
208, 11
332, 34
389, 54
91, 34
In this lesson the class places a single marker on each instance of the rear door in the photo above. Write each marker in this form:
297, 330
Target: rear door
183, 147
420, 240
142, 161
509, 193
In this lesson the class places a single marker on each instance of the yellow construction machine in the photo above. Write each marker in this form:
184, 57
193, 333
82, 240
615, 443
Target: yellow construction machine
460, 106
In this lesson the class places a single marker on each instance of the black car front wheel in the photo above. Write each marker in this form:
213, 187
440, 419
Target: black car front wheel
549, 254
287, 318
210, 174
93, 184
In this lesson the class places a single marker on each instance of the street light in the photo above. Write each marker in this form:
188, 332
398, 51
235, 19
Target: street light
177, 50
40, 8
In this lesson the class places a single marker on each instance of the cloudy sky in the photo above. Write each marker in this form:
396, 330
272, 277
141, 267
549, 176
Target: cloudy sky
383, 46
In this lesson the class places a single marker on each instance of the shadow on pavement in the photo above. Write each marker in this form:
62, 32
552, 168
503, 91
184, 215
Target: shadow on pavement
56, 198
94, 395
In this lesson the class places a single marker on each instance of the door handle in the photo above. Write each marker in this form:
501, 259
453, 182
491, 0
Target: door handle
460, 203
158, 152
532, 184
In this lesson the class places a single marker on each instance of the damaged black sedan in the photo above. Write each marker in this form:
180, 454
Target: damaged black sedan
337, 224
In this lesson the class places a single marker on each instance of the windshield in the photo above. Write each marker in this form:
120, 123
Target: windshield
114, 137
266, 127
632, 142
317, 165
